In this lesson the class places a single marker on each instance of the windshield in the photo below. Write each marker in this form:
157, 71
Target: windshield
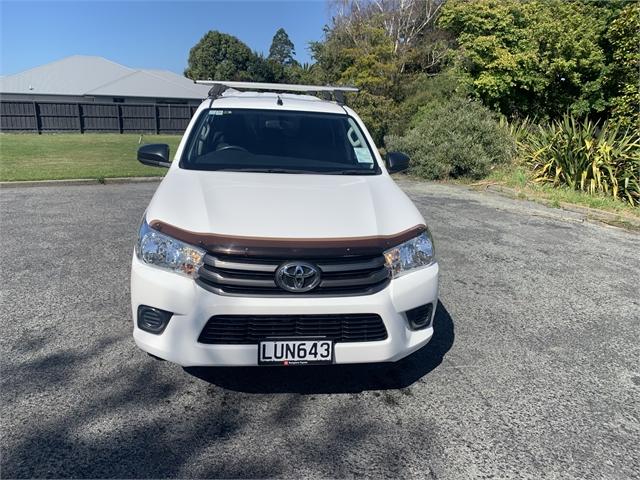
243, 140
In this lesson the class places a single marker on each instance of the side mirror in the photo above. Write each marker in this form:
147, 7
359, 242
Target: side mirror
154, 155
396, 162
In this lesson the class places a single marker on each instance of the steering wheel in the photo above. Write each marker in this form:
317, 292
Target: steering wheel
232, 147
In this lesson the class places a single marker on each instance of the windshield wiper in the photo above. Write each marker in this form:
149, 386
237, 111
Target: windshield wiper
274, 170
350, 172
296, 171
264, 170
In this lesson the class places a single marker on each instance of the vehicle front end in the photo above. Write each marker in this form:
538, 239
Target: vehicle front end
199, 306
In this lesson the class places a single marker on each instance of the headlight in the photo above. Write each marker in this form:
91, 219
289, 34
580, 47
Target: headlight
410, 255
160, 250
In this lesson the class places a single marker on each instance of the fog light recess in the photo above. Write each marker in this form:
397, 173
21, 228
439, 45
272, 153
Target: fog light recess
153, 320
419, 317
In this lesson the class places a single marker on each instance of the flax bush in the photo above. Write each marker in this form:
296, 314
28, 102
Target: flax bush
585, 156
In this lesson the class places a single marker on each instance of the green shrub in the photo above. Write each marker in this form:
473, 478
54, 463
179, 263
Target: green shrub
454, 138
427, 90
585, 156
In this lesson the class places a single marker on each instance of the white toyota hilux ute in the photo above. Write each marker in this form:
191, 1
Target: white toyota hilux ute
278, 237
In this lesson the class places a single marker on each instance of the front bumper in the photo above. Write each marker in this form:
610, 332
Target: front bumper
192, 306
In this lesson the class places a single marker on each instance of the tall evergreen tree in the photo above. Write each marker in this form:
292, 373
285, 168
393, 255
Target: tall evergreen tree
282, 50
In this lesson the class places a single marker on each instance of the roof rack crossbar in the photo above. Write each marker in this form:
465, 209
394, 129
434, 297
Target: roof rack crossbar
218, 87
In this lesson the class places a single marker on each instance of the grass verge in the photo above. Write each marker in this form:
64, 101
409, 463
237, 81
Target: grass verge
73, 155
519, 179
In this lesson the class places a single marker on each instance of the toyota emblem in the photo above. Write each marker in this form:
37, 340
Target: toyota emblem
297, 277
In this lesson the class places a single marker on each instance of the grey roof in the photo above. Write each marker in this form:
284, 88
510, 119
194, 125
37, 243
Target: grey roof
82, 75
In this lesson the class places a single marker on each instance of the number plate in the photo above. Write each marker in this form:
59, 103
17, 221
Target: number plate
295, 352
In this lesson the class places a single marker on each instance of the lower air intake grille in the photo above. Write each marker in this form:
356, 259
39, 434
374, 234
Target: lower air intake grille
249, 330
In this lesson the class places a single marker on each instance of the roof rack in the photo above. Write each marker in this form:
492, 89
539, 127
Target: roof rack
218, 87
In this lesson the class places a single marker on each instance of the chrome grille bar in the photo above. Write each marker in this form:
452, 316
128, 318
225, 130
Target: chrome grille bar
251, 276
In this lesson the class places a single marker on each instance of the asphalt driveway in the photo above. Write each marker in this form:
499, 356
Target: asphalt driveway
534, 371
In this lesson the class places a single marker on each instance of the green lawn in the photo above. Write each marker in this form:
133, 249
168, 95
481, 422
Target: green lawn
73, 155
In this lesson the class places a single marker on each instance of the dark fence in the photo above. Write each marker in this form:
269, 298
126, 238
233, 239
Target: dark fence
94, 117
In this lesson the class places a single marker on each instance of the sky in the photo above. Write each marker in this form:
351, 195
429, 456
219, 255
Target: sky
143, 34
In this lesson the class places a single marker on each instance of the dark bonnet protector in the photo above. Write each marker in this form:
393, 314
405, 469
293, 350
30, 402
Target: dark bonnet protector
288, 247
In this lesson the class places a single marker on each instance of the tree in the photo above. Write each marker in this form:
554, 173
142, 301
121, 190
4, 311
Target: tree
405, 22
302, 74
218, 56
624, 38
539, 58
362, 57
379, 46
262, 70
282, 50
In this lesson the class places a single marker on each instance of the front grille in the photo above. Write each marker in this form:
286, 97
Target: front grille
250, 276
250, 329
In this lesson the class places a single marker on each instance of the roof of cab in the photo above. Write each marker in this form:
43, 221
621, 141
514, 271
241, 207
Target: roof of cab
269, 101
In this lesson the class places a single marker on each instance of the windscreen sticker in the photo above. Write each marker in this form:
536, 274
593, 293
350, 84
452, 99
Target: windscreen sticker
363, 154
219, 112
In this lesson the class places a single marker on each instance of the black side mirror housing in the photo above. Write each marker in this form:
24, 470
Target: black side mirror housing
396, 162
154, 155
